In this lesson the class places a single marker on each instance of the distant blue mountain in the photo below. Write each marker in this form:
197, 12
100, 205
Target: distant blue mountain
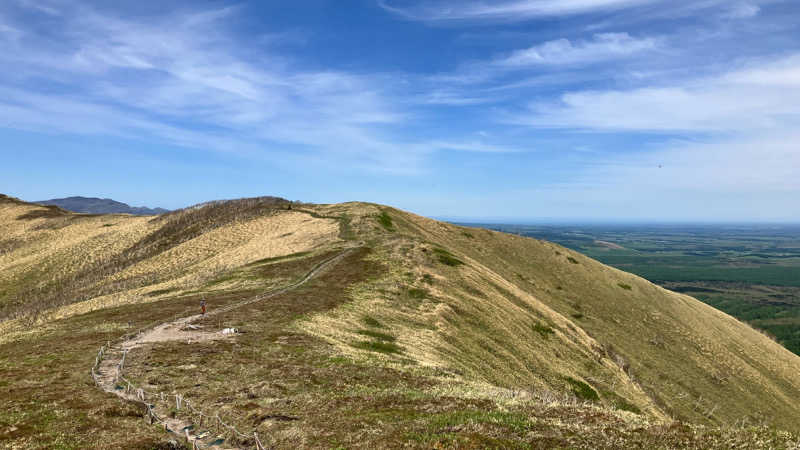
93, 205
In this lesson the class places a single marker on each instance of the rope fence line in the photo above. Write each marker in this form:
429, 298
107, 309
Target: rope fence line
196, 416
141, 395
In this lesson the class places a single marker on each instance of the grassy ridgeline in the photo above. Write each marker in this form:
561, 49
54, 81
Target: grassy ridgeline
430, 335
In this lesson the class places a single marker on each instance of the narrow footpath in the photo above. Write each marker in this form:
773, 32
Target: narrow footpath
109, 372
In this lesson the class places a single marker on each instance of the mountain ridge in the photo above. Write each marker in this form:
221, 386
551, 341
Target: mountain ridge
96, 205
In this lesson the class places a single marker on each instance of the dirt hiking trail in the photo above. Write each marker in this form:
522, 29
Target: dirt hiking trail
109, 373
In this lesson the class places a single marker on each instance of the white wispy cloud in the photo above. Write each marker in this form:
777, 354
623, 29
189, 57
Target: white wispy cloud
502, 9
742, 10
603, 47
753, 98
182, 80
740, 164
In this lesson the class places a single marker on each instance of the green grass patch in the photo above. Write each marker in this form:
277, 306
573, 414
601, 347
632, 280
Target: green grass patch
371, 322
515, 422
386, 221
447, 258
378, 346
542, 329
377, 335
583, 390
417, 293
624, 405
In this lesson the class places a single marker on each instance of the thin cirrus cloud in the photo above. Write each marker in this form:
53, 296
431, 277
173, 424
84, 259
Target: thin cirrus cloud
502, 9
602, 47
524, 10
751, 99
188, 84
740, 163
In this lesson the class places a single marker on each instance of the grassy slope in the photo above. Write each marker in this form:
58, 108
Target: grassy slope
62, 263
692, 361
498, 351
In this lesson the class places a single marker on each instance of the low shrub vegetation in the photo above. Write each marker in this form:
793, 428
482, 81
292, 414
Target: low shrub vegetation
542, 329
417, 293
371, 322
377, 335
386, 221
582, 390
447, 258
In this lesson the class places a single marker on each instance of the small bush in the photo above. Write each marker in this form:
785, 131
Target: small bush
468, 234
417, 293
544, 330
380, 347
624, 405
427, 278
377, 335
583, 390
386, 221
572, 260
627, 287
577, 316
447, 258
371, 322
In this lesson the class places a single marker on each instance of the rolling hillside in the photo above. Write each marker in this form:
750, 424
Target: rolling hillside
422, 334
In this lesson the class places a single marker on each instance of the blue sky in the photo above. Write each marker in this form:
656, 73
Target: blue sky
514, 110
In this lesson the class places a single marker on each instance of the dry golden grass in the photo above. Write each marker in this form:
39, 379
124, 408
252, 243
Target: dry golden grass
77, 242
437, 336
522, 313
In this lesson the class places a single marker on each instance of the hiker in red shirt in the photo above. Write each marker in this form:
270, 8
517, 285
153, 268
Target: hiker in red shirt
203, 306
